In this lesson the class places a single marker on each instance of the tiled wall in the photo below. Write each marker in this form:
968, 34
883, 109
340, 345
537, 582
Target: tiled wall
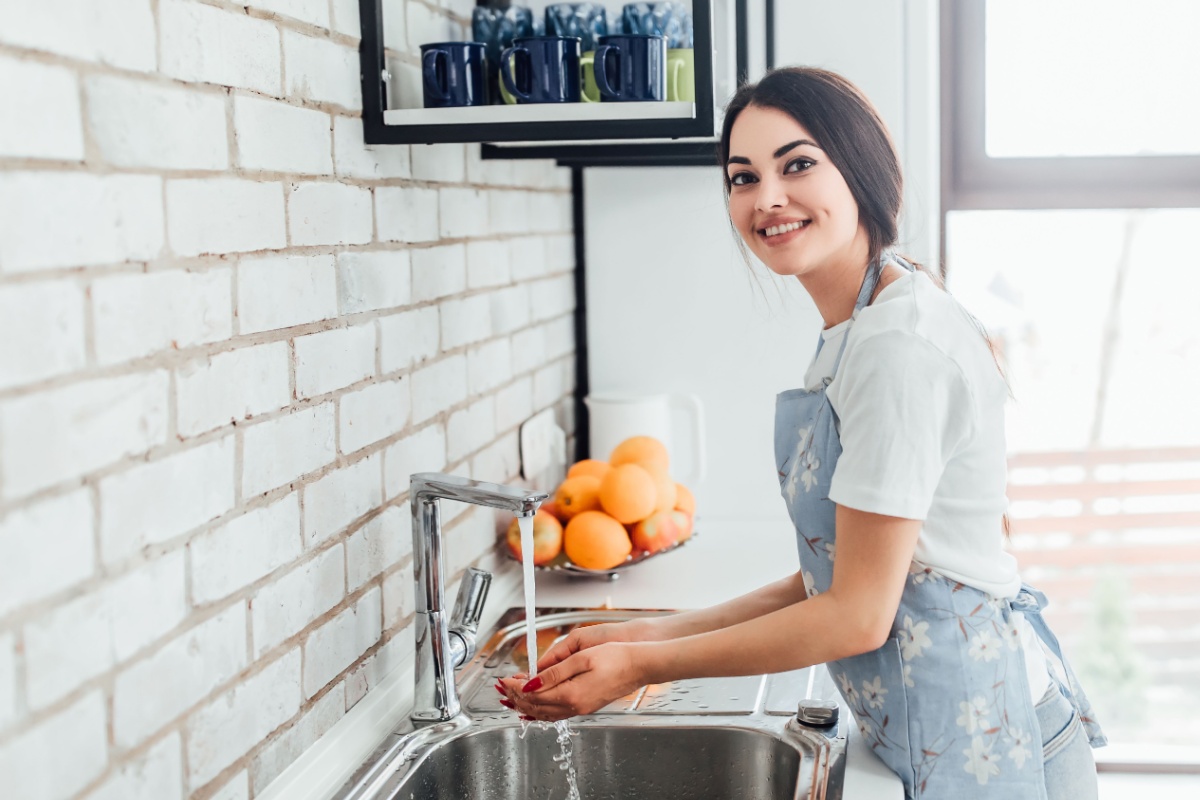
228, 333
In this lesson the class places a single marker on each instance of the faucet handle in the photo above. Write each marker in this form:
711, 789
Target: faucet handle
468, 609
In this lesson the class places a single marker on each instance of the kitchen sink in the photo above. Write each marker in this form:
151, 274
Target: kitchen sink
714, 738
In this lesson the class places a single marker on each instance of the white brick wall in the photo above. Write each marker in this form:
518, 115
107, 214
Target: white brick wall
229, 332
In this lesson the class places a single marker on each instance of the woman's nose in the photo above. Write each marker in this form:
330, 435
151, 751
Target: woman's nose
770, 195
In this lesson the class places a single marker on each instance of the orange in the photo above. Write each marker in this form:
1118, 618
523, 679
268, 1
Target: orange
577, 494
594, 540
666, 492
589, 466
628, 493
683, 521
684, 499
644, 450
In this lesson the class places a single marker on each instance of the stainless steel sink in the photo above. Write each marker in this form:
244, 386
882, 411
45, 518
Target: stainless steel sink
716, 738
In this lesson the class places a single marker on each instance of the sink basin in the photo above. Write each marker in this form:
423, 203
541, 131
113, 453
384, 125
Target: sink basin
715, 738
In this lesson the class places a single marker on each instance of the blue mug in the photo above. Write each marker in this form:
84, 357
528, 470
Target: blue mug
454, 74
542, 69
588, 21
631, 68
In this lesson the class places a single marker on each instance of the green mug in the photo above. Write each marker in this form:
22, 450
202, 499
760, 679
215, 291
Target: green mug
681, 75
589, 91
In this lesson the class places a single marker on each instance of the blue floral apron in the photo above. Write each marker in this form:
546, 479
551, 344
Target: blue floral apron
945, 702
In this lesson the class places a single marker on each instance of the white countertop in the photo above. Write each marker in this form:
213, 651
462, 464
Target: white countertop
727, 558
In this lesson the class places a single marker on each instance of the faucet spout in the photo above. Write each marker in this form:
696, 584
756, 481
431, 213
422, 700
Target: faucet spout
441, 647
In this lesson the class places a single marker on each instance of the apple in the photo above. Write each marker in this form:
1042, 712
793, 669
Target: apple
684, 521
656, 532
547, 537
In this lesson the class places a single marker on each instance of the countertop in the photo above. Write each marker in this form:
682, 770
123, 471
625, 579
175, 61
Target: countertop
727, 558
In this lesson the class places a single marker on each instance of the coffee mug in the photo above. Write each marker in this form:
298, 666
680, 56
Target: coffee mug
681, 75
497, 28
542, 69
631, 68
454, 74
588, 21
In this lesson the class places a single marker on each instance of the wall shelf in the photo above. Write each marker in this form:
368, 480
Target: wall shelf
544, 112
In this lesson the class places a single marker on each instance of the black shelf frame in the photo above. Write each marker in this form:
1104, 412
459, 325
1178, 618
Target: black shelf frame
373, 65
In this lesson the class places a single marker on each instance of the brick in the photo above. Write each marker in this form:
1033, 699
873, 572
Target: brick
395, 36
408, 338
282, 609
552, 297
226, 729
466, 321
370, 281
42, 111
406, 214
549, 211
155, 502
236, 385
139, 124
497, 172
353, 158
146, 604
156, 690
550, 383
489, 366
429, 25
322, 70
54, 436
399, 600
33, 764
460, 8
439, 272
41, 331
512, 308
339, 642
120, 33
560, 252
560, 337
345, 17
257, 124
499, 462
44, 549
237, 788
202, 43
8, 680
424, 451
224, 215
378, 546
514, 404
439, 162
242, 551
374, 669
334, 359
314, 12
329, 213
282, 291
156, 774
438, 387
488, 264
509, 211
291, 744
341, 497
471, 428
529, 349
373, 414
462, 212
114, 218
283, 449
529, 258
145, 313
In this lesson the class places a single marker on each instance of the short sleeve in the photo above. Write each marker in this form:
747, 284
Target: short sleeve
904, 409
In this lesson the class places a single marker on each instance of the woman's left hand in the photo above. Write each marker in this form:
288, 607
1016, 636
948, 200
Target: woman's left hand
583, 682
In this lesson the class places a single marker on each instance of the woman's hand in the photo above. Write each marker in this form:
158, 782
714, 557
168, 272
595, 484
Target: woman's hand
580, 683
634, 630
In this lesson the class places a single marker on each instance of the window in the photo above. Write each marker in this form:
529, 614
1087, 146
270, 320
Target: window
1071, 191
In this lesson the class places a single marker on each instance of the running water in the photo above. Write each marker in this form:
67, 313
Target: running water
562, 728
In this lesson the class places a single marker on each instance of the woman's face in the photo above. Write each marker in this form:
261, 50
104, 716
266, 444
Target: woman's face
788, 201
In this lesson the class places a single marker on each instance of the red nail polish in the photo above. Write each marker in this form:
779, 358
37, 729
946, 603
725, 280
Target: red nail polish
532, 686
500, 690
507, 704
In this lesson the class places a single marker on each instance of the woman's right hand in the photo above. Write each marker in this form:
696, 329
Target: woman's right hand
647, 629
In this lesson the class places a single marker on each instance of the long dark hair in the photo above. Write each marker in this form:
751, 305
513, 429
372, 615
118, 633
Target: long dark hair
850, 131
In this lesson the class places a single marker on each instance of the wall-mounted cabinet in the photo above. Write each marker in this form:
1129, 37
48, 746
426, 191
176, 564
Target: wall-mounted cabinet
393, 96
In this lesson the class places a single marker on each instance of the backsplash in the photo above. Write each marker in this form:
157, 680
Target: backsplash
228, 333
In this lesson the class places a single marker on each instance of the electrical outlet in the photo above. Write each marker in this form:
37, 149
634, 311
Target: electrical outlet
543, 445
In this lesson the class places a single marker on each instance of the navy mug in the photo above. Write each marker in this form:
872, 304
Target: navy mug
455, 74
631, 68
542, 69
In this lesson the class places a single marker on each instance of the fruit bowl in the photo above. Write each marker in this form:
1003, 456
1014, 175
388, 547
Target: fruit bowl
563, 564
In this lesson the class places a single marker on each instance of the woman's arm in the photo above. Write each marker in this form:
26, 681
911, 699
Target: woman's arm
854, 616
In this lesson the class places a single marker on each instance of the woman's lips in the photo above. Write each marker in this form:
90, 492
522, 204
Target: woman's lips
786, 232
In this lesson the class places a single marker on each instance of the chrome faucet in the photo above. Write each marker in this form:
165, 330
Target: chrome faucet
444, 645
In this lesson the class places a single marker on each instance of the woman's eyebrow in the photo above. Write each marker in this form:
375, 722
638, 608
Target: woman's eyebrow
791, 145
738, 160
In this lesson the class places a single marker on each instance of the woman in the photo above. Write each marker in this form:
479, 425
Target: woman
891, 461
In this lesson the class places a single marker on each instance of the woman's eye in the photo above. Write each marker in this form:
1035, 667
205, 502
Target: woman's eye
742, 179
798, 165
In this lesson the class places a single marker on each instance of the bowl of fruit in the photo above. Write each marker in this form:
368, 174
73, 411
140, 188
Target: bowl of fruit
607, 516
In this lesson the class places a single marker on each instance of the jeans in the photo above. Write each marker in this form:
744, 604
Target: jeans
1069, 766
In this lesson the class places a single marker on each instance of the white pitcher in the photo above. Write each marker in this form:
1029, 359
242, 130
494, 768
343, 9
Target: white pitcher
614, 417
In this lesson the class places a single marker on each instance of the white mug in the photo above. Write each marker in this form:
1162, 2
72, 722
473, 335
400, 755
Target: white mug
613, 418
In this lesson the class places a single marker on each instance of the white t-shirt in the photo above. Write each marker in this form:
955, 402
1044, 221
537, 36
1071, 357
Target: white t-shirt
920, 408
